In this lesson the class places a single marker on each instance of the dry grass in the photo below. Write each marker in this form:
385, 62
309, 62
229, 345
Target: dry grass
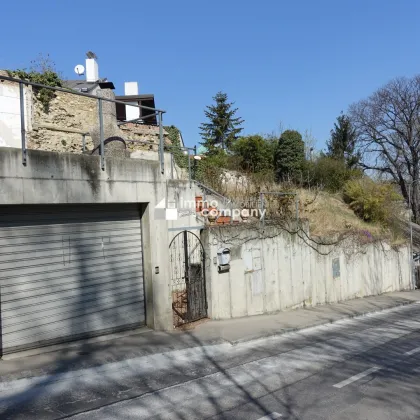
326, 213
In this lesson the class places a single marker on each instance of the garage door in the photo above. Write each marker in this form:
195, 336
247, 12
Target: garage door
69, 271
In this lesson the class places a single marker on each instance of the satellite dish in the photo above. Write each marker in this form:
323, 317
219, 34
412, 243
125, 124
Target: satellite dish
79, 70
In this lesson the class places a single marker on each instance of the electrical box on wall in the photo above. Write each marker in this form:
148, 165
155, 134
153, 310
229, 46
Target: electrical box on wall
223, 259
223, 255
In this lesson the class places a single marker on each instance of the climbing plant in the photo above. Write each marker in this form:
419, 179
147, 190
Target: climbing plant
42, 71
174, 136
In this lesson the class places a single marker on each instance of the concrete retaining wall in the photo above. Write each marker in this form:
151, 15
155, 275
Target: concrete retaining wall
275, 271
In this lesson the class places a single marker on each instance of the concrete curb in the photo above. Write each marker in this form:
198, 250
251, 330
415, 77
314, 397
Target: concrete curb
321, 323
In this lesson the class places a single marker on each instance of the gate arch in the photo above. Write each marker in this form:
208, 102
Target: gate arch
188, 282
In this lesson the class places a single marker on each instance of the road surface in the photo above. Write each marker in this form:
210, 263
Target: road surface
365, 368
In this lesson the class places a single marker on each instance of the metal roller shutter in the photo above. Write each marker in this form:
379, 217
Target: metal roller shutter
69, 271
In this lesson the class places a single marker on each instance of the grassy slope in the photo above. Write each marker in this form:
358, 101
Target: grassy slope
327, 213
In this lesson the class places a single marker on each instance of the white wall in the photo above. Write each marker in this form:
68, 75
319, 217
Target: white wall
179, 194
279, 271
182, 197
10, 130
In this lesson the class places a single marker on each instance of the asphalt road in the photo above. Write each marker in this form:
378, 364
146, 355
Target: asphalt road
366, 368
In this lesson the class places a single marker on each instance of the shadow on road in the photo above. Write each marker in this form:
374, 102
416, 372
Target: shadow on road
199, 381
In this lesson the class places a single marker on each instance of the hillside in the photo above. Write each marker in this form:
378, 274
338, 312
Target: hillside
327, 213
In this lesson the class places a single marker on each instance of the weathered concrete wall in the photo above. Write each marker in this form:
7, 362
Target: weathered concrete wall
60, 178
182, 197
172, 171
277, 271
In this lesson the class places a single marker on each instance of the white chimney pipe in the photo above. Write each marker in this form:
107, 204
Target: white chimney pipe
131, 112
131, 88
92, 71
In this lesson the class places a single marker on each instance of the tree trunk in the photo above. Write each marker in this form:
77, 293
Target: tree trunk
415, 203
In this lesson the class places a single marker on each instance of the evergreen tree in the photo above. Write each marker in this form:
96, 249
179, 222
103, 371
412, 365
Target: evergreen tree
223, 127
289, 157
342, 144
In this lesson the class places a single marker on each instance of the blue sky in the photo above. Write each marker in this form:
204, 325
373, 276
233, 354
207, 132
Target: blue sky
297, 63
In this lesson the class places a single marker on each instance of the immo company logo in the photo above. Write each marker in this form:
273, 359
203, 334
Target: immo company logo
168, 210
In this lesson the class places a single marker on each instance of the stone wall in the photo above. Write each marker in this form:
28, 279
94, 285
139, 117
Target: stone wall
61, 128
142, 132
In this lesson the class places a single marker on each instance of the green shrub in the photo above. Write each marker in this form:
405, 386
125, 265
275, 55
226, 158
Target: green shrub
48, 78
254, 153
371, 201
329, 173
263, 179
209, 169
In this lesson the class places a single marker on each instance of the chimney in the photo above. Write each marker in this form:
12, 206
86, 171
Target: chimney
131, 113
92, 71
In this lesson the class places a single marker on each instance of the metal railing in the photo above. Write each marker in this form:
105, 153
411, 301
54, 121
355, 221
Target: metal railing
185, 150
155, 112
207, 190
227, 202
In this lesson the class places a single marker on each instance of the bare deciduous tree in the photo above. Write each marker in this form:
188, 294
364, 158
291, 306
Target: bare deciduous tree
388, 129
310, 143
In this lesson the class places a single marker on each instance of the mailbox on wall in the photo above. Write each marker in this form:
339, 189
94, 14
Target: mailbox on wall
223, 257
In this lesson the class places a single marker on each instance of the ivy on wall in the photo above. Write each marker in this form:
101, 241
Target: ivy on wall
174, 136
42, 70
48, 78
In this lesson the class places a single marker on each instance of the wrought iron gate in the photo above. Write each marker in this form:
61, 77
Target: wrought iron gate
189, 301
